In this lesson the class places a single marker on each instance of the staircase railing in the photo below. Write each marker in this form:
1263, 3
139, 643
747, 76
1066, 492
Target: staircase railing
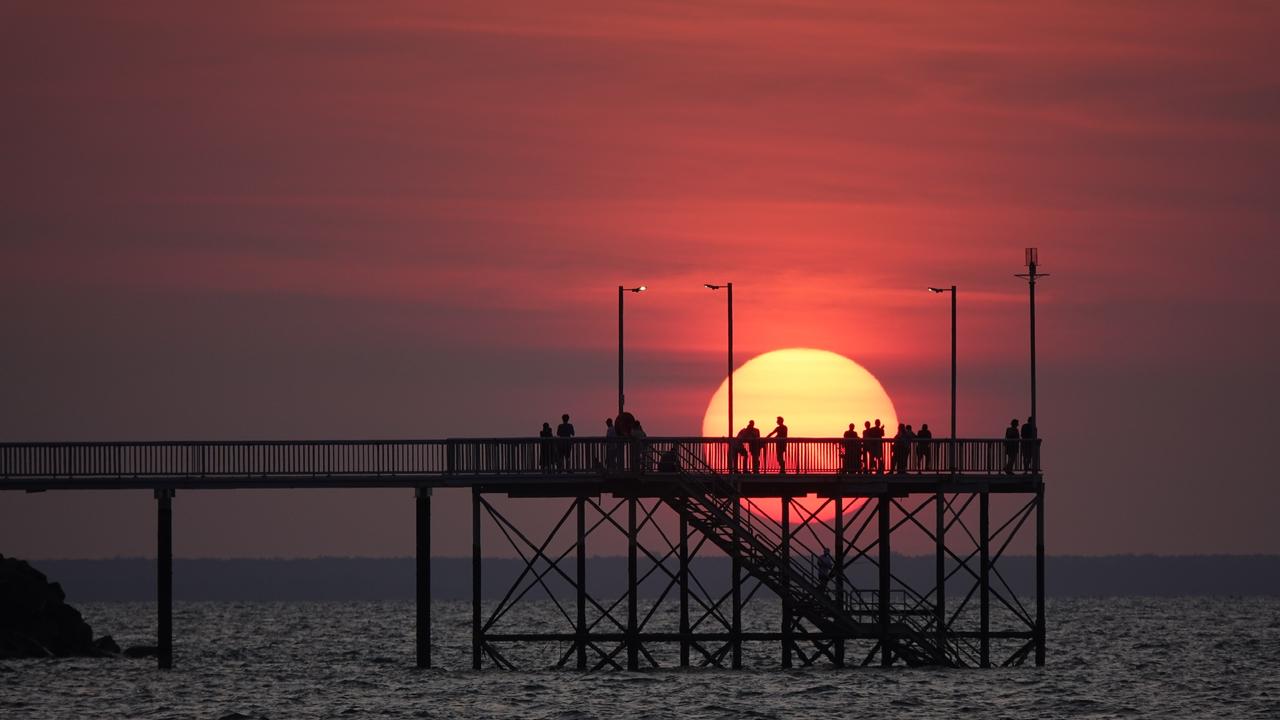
710, 500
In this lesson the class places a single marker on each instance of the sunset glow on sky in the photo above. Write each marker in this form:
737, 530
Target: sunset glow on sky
329, 219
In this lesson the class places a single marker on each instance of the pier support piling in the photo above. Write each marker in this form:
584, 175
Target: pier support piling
1040, 630
984, 577
581, 629
164, 577
684, 590
476, 629
422, 503
633, 630
886, 654
787, 639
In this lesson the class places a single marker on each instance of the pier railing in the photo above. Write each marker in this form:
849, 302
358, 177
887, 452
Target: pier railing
509, 457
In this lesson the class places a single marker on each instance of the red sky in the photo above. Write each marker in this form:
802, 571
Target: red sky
407, 220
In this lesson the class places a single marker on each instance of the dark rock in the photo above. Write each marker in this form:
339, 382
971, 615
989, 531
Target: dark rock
141, 651
106, 646
35, 620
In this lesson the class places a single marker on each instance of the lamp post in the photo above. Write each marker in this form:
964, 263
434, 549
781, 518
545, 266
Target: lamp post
1033, 260
621, 291
728, 287
1031, 275
951, 459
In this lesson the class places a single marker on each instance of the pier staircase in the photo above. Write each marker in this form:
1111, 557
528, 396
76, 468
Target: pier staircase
708, 499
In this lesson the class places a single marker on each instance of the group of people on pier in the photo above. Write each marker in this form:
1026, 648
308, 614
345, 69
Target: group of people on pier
860, 453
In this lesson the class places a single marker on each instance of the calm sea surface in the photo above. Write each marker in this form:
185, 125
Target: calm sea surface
1156, 658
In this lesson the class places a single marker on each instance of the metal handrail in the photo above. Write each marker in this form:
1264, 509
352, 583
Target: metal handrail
492, 456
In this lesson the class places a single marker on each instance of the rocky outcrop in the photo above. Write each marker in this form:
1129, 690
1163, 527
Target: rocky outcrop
36, 621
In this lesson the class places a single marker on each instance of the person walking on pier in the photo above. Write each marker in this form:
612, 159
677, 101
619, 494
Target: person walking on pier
1011, 439
780, 446
852, 450
1030, 456
545, 449
923, 438
565, 433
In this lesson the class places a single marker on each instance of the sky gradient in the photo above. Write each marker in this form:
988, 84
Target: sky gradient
324, 220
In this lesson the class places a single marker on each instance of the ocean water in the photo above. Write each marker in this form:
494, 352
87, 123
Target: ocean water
1117, 657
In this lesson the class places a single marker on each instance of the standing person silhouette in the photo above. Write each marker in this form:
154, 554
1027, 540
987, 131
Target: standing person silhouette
875, 451
852, 450
923, 441
565, 433
610, 445
864, 457
1030, 456
1011, 439
900, 449
826, 568
780, 447
545, 450
755, 445
738, 449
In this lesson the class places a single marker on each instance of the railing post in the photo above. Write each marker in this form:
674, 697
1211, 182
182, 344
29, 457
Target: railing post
164, 577
786, 582
477, 640
886, 655
422, 503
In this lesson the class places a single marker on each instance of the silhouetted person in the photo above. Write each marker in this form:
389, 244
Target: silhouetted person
852, 450
901, 445
755, 445
875, 451
781, 447
864, 459
909, 461
565, 433
826, 568
545, 449
923, 440
1030, 446
738, 449
1011, 439
669, 462
638, 449
610, 445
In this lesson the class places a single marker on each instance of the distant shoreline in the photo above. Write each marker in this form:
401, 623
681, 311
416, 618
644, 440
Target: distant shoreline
347, 578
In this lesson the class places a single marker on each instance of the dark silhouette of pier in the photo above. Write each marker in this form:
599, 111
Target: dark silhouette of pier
859, 613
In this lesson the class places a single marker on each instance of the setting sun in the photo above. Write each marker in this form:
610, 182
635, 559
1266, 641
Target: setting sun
818, 392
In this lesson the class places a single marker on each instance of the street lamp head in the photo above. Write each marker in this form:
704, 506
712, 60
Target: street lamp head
935, 290
942, 289
709, 286
640, 289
